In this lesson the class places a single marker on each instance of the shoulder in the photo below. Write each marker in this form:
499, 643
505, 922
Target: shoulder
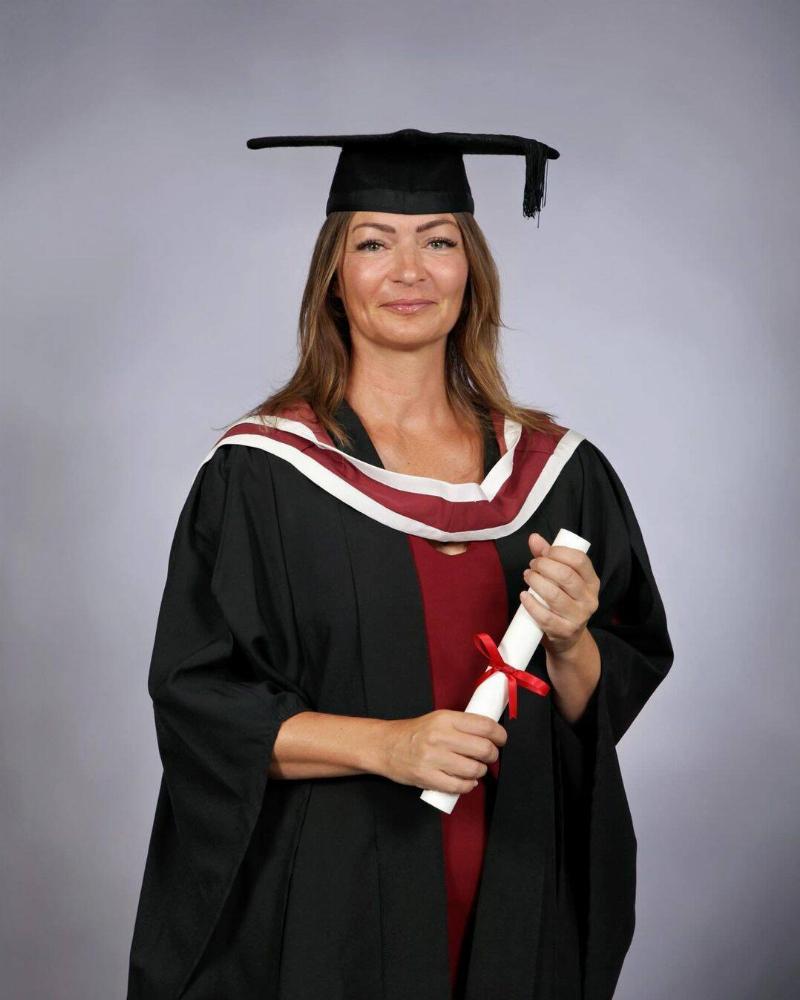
607, 509
233, 463
227, 475
593, 461
570, 452
590, 474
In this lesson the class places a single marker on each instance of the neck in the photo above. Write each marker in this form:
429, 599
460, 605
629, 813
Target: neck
404, 390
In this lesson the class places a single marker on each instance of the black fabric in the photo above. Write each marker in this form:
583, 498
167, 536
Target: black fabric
280, 598
415, 172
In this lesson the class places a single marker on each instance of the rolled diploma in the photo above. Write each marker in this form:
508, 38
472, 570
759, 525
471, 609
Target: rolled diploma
519, 644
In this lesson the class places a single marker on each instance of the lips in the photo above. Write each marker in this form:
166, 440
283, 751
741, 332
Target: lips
406, 305
408, 302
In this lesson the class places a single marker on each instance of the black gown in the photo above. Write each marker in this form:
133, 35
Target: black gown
281, 598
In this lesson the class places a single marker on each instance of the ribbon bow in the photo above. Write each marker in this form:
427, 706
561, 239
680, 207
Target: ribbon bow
484, 642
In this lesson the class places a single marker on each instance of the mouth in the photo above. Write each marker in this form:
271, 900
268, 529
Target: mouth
407, 305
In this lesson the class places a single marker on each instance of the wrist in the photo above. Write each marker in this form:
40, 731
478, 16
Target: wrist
372, 754
575, 674
574, 656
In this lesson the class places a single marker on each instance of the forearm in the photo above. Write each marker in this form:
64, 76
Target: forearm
321, 745
574, 676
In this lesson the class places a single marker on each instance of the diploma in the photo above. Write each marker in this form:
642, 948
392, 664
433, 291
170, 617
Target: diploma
517, 647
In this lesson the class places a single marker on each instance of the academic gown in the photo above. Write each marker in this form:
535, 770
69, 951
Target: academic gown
291, 587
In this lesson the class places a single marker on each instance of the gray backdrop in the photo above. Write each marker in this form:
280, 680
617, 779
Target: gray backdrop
152, 271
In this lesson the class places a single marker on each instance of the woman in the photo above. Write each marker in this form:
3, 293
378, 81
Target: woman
314, 650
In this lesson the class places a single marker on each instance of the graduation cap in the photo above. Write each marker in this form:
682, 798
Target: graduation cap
416, 173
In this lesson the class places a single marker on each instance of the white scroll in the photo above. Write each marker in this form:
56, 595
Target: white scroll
519, 644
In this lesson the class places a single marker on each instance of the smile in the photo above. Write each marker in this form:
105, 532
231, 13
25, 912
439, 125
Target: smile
408, 308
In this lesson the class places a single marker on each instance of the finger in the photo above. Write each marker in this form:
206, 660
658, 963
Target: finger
464, 767
476, 747
570, 561
579, 561
555, 585
538, 544
547, 620
455, 786
476, 725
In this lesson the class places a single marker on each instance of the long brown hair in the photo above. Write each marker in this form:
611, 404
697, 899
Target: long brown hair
474, 382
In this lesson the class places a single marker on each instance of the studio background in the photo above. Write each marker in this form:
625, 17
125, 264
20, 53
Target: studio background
152, 269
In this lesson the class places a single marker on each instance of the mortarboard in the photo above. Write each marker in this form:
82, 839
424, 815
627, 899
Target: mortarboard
416, 173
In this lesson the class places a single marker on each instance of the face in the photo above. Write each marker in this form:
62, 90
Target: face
390, 257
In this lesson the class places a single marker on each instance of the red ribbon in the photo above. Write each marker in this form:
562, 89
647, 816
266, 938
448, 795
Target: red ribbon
484, 642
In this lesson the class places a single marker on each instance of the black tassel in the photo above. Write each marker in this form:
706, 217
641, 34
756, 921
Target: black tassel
535, 180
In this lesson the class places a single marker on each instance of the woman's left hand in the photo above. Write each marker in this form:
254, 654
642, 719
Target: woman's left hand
566, 579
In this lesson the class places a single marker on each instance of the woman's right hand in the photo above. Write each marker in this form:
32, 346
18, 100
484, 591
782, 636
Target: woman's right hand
444, 750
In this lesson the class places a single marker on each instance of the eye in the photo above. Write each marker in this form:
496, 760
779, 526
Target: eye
366, 243
377, 243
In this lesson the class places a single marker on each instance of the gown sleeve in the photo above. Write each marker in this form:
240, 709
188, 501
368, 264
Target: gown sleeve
226, 671
630, 625
597, 842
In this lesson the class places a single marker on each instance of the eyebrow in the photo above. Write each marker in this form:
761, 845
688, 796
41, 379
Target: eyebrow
391, 229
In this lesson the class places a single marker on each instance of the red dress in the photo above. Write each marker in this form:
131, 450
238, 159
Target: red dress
462, 594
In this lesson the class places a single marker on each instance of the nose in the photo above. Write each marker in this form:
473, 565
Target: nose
408, 263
